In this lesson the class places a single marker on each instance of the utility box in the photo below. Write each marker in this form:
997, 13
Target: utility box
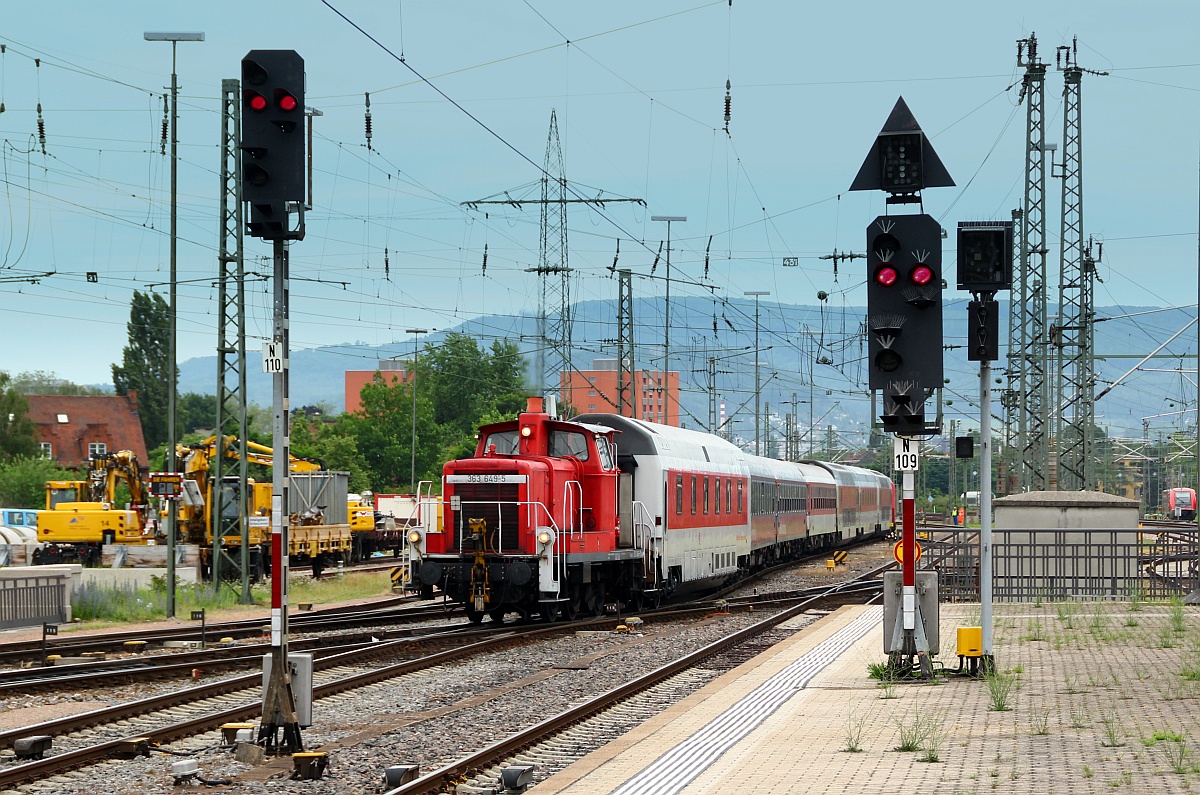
302, 684
927, 604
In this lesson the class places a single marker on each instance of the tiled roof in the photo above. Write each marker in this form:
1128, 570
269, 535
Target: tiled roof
71, 422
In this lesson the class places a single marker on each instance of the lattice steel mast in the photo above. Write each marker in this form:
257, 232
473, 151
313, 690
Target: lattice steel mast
1027, 323
627, 391
553, 269
231, 343
1075, 395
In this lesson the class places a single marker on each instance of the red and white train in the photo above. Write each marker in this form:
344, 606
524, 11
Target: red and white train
1179, 504
559, 517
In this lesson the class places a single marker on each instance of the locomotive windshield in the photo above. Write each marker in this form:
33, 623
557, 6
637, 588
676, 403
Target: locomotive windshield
505, 442
572, 443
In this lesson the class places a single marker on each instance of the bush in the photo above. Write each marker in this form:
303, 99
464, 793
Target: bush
23, 481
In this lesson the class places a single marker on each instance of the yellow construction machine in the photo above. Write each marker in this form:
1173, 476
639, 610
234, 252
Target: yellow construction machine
311, 538
81, 516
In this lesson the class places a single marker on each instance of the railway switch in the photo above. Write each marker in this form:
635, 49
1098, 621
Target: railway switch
397, 775
309, 764
517, 778
184, 770
32, 747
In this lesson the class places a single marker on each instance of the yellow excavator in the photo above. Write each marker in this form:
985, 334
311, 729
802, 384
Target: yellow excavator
310, 539
81, 516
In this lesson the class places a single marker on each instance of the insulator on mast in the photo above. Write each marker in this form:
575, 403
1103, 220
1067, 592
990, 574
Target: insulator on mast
367, 120
485, 259
728, 103
162, 145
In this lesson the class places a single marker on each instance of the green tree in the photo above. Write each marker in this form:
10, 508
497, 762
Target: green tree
196, 411
335, 444
383, 432
23, 481
145, 366
18, 433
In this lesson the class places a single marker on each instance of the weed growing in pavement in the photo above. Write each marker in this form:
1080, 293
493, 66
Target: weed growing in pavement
1066, 613
1114, 732
1175, 616
1130, 618
1072, 682
1174, 750
888, 687
1039, 722
1088, 772
916, 731
1098, 626
1000, 686
1166, 638
1034, 631
1136, 598
932, 747
1079, 718
1190, 668
854, 731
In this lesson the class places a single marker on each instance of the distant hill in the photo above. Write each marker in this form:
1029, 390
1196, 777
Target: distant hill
791, 337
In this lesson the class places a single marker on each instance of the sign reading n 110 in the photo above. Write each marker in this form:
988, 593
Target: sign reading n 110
272, 358
905, 458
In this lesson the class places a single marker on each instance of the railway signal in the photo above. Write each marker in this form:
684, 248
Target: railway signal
272, 141
904, 317
904, 329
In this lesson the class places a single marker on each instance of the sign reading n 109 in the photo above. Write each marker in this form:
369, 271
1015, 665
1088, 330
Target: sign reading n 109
905, 458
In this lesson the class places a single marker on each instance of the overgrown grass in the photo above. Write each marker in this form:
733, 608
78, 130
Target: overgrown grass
117, 604
854, 731
920, 732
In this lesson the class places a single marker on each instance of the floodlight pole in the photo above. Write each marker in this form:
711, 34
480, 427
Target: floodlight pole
666, 379
413, 385
172, 352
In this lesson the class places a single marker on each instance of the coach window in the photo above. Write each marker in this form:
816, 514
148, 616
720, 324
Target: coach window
729, 495
678, 495
706, 495
717, 497
693, 495
739, 496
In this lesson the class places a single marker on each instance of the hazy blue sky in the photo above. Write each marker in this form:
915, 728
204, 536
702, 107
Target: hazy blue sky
639, 94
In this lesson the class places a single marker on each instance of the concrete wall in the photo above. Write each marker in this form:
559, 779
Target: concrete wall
1066, 518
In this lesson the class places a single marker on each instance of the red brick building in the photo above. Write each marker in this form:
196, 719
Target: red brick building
71, 428
393, 372
595, 390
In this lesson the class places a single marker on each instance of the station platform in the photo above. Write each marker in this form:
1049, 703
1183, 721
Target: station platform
1097, 701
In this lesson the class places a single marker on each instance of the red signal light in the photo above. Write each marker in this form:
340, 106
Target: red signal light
285, 101
886, 275
258, 102
922, 274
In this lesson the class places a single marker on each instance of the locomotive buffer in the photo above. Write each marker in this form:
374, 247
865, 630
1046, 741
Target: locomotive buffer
904, 331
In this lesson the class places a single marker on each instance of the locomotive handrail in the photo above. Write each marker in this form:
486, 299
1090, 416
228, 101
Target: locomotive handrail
571, 508
643, 538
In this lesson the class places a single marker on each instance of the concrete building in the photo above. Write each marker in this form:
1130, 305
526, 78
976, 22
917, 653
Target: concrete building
392, 371
595, 390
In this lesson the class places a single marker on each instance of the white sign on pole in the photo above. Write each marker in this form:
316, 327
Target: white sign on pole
272, 359
906, 458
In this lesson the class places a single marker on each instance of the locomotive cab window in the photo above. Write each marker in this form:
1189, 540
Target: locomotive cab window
568, 443
604, 452
505, 442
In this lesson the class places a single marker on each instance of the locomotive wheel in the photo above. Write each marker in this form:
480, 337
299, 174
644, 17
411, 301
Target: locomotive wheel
596, 601
550, 613
497, 614
474, 616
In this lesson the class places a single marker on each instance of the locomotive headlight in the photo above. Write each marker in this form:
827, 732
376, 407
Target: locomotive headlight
545, 537
414, 538
526, 430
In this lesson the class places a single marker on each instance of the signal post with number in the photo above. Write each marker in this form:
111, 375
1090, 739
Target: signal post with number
904, 329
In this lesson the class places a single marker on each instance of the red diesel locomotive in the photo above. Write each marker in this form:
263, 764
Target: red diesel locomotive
561, 517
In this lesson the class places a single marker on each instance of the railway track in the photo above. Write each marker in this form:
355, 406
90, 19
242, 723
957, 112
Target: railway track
557, 741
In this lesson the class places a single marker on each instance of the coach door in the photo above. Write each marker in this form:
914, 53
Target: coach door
625, 509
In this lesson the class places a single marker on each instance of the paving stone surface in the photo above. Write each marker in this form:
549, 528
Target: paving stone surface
1104, 698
